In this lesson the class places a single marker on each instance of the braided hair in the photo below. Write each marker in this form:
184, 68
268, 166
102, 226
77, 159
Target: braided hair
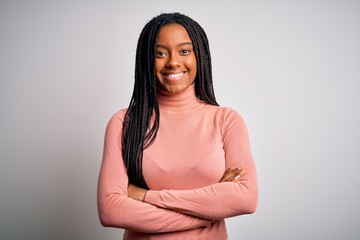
138, 131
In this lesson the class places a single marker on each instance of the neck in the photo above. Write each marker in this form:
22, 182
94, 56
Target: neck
178, 102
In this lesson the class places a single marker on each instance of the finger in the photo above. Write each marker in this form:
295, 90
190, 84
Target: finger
226, 179
229, 170
237, 177
229, 176
230, 173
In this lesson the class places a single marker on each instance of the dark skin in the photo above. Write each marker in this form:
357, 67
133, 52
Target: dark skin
232, 174
175, 72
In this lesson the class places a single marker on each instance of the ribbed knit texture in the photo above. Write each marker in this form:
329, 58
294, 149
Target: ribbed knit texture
195, 144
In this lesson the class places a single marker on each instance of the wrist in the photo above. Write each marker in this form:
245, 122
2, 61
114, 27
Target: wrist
144, 196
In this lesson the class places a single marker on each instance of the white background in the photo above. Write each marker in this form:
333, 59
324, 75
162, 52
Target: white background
291, 68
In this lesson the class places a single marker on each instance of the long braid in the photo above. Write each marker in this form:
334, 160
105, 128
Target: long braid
142, 118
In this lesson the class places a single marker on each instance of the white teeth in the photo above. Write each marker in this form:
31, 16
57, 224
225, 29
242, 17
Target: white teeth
176, 76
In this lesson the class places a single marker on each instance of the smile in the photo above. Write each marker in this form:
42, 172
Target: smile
175, 76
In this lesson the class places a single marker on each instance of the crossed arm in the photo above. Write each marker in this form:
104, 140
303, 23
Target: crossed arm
230, 197
231, 174
127, 206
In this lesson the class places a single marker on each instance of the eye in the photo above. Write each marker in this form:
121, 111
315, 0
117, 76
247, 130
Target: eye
185, 51
160, 54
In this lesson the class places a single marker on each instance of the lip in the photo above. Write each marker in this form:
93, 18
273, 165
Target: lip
173, 76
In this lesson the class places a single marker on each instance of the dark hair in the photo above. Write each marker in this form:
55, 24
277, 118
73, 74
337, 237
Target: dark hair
142, 118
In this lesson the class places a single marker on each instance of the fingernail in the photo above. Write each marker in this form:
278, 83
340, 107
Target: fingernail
236, 177
242, 172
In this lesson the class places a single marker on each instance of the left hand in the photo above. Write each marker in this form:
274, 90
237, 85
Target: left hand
136, 193
232, 174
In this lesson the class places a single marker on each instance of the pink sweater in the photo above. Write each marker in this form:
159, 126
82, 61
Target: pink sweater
195, 144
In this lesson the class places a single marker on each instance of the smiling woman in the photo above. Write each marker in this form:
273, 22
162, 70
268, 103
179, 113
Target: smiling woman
175, 59
175, 164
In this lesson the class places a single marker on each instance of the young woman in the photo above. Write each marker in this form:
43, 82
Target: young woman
175, 164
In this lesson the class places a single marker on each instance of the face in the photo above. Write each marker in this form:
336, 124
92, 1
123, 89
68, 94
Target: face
175, 59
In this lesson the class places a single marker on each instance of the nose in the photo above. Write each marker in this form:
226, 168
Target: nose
173, 61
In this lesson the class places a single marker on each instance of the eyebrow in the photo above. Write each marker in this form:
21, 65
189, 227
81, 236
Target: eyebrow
179, 45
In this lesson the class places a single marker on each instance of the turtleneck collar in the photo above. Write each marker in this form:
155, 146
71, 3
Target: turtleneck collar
178, 102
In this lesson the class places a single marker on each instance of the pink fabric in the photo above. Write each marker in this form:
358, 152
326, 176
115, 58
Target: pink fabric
196, 142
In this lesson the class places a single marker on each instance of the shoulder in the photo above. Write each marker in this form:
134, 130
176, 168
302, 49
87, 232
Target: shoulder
226, 115
230, 120
229, 114
116, 120
119, 115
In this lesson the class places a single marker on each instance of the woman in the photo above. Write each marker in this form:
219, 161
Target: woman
175, 164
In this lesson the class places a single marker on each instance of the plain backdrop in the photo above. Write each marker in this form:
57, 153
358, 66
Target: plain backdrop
290, 68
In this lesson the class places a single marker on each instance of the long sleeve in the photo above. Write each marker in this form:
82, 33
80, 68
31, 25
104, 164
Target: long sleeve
116, 209
219, 200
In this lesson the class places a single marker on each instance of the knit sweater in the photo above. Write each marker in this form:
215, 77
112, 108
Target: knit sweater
195, 144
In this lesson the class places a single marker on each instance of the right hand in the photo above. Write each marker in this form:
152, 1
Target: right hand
232, 174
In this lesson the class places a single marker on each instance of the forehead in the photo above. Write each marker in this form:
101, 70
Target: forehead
173, 34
